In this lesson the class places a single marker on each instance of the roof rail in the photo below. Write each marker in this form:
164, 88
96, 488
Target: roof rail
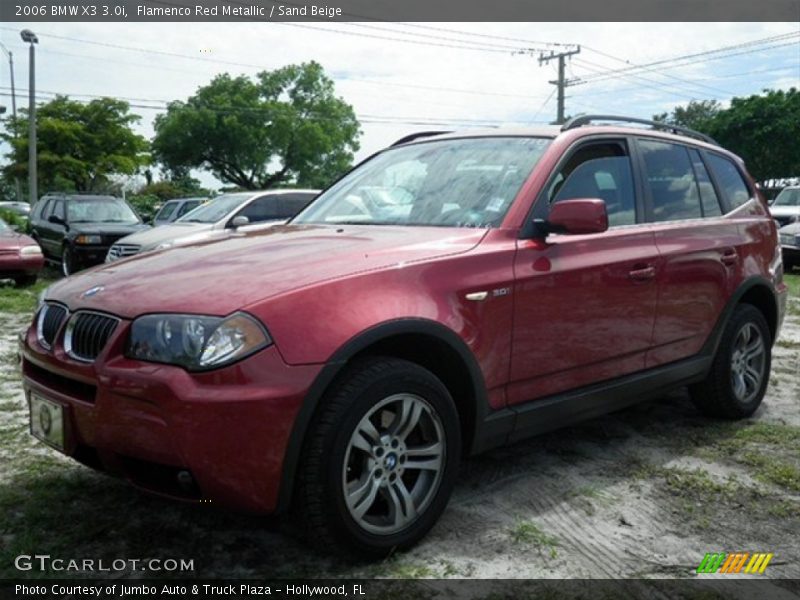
586, 119
416, 136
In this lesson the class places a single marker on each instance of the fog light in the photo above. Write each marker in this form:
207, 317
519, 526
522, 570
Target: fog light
185, 480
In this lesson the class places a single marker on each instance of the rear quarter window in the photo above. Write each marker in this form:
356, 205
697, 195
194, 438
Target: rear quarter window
729, 180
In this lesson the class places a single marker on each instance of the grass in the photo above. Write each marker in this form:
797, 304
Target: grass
771, 469
793, 282
529, 534
21, 300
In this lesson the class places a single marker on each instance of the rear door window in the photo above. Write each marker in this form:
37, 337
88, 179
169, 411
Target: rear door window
669, 177
187, 206
708, 195
729, 179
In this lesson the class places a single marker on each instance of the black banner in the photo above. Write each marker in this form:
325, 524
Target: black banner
392, 10
732, 588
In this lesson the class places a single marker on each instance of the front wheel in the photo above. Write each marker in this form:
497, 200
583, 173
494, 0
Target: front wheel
739, 375
380, 460
68, 265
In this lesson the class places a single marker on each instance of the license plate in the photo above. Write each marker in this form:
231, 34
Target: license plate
47, 421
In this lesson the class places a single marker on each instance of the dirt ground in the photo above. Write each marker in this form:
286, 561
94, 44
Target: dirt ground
643, 493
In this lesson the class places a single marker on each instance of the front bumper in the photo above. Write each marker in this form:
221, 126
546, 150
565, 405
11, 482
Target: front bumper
14, 266
228, 428
90, 255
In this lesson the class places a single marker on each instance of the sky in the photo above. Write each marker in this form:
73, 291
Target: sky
403, 77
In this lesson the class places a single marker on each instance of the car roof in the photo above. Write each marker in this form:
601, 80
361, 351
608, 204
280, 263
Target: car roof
556, 131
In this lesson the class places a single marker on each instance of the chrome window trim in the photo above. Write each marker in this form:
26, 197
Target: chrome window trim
71, 326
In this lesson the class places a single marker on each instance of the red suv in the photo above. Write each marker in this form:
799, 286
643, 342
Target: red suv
452, 293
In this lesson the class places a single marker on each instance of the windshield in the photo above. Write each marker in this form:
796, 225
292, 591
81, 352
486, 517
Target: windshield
788, 197
215, 210
97, 210
446, 183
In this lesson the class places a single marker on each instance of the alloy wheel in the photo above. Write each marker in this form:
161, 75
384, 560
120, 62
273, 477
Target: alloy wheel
393, 464
747, 362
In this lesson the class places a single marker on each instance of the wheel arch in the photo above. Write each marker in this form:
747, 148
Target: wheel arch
756, 291
422, 341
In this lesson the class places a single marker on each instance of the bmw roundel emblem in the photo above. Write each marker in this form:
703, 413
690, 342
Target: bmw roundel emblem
92, 291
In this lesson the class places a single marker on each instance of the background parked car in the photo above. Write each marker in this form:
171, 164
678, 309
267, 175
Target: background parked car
77, 230
175, 209
20, 256
790, 245
16, 214
218, 219
786, 207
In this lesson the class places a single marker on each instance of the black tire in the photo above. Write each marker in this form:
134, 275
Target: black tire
329, 456
68, 264
25, 280
717, 395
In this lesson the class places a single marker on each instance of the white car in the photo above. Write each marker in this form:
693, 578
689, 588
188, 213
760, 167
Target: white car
786, 208
218, 219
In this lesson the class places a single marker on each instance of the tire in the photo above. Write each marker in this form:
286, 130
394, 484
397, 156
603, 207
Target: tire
397, 504
68, 265
739, 374
25, 280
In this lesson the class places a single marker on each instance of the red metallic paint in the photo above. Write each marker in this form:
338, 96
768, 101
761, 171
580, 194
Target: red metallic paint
559, 313
11, 263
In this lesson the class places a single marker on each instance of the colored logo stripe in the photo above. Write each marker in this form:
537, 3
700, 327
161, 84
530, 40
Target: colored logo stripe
722, 562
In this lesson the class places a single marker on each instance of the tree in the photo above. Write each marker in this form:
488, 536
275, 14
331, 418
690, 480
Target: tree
79, 145
695, 115
286, 127
764, 130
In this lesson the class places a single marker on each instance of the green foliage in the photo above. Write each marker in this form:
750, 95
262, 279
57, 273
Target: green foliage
14, 220
285, 127
763, 129
695, 115
79, 145
146, 205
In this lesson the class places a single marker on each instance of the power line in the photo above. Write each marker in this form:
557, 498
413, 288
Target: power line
688, 59
364, 118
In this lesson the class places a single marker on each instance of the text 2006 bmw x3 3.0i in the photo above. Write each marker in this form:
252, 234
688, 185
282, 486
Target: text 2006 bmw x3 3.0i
450, 294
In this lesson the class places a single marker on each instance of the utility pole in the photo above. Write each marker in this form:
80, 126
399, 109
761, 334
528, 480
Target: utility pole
29, 37
561, 82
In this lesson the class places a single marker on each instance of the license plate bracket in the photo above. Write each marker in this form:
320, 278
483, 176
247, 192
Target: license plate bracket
48, 421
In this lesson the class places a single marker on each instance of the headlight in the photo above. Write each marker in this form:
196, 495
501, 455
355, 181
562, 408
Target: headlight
196, 342
30, 251
88, 239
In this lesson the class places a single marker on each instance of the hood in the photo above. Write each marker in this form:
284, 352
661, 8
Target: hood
224, 276
108, 229
152, 238
784, 211
13, 240
792, 228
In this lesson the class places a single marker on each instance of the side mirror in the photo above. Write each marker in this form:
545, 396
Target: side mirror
240, 221
56, 220
578, 216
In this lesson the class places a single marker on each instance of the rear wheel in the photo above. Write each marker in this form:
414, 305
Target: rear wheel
380, 460
739, 374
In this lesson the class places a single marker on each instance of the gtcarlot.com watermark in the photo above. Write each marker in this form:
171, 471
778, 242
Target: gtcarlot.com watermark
49, 564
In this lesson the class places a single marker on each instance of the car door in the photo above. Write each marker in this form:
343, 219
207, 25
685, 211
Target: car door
697, 243
584, 305
48, 232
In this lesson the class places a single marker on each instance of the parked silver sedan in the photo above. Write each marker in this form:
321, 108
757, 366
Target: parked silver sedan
218, 219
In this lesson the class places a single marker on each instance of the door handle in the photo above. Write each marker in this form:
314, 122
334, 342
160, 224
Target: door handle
643, 273
730, 257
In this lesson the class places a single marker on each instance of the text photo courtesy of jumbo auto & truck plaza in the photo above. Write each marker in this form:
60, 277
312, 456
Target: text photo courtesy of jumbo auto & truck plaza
399, 300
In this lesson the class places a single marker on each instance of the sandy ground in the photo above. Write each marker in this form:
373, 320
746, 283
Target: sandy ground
645, 492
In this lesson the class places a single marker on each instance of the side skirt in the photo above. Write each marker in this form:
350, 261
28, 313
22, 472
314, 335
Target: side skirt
539, 416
